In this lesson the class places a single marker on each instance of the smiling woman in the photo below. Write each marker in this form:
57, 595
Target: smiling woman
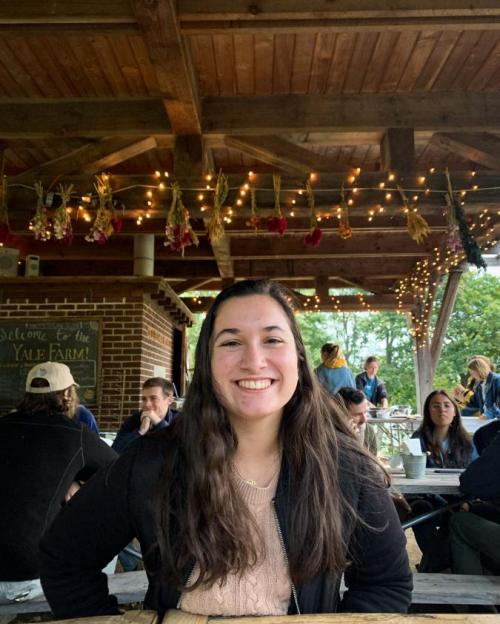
254, 502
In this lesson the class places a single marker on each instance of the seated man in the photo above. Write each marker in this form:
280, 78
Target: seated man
44, 457
475, 534
356, 404
156, 413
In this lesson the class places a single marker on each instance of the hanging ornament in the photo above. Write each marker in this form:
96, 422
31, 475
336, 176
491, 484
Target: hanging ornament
215, 225
62, 220
178, 231
469, 244
40, 223
345, 230
313, 238
4, 212
277, 223
105, 220
254, 220
418, 228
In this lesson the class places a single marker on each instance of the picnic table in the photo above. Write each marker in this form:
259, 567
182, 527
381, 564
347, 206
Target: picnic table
433, 482
179, 617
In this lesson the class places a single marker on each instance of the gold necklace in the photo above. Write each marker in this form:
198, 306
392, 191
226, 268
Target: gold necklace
253, 482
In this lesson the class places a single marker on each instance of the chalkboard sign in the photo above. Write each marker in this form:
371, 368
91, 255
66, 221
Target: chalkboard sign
24, 344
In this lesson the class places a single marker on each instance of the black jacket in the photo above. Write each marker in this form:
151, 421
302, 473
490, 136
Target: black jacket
129, 431
40, 456
378, 580
482, 478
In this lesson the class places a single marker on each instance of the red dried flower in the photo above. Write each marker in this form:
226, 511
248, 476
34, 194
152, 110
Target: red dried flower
313, 239
277, 224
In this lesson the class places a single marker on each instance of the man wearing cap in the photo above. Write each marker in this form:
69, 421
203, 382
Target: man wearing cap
44, 457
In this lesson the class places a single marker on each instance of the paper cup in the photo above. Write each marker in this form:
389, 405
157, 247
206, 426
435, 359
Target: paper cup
414, 466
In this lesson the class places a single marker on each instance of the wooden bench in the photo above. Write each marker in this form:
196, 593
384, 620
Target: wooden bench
130, 587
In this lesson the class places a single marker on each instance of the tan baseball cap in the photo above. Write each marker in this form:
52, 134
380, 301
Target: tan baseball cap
58, 376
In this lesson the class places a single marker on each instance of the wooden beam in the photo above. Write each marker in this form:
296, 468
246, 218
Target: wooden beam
172, 63
273, 114
481, 148
397, 150
88, 117
346, 303
219, 16
333, 268
445, 310
322, 287
360, 245
188, 156
189, 284
283, 154
65, 12
90, 158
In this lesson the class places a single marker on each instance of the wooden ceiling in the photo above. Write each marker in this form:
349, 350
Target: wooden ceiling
131, 87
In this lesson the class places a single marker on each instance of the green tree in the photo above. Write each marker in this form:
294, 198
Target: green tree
474, 326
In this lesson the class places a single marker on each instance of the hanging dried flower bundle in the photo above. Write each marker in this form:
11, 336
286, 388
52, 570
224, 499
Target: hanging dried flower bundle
40, 223
106, 222
453, 240
469, 244
254, 220
4, 212
178, 231
62, 220
313, 238
345, 230
215, 226
418, 228
277, 223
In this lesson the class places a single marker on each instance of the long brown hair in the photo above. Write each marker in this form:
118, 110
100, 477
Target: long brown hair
200, 515
459, 444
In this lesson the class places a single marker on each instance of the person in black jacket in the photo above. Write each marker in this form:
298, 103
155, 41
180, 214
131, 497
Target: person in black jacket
156, 413
44, 458
255, 502
475, 533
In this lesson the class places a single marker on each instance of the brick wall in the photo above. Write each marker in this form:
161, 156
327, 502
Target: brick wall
136, 336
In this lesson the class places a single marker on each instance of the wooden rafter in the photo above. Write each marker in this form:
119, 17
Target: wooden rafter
90, 158
283, 154
480, 147
219, 16
172, 63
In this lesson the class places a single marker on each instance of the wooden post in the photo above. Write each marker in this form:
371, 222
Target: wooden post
422, 356
188, 156
397, 150
447, 305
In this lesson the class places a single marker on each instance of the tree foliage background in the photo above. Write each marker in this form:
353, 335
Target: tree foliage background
474, 329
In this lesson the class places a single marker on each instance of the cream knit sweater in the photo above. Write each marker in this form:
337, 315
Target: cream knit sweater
266, 588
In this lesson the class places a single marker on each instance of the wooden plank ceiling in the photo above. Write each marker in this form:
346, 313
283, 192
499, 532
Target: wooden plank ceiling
134, 87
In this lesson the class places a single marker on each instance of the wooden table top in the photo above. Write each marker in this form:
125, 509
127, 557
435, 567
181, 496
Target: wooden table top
431, 483
179, 617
